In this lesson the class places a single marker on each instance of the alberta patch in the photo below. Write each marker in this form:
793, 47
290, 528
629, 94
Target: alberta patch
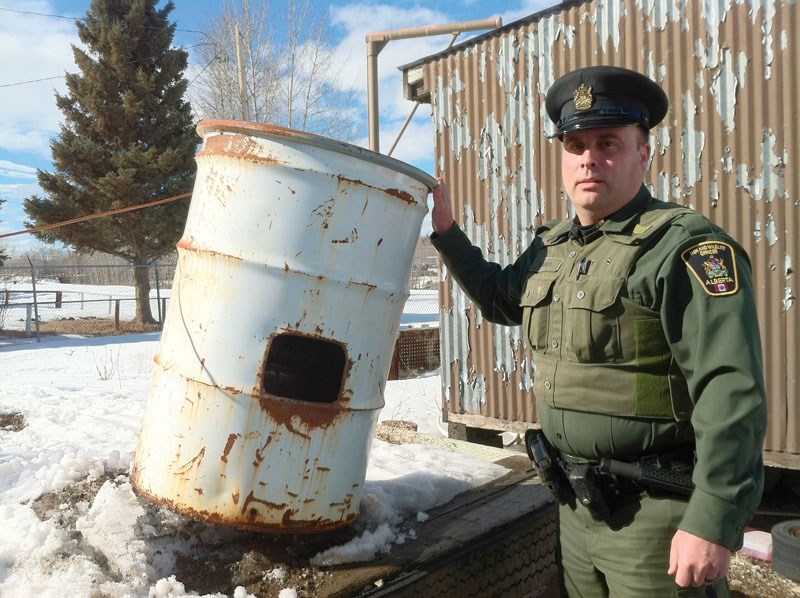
713, 263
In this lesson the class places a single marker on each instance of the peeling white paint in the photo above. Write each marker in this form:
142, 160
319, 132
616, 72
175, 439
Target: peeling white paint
770, 183
474, 392
727, 161
662, 12
788, 270
714, 13
774, 167
714, 193
788, 299
767, 9
663, 140
741, 68
460, 137
607, 17
455, 348
569, 36
771, 234
443, 114
539, 50
724, 88
508, 54
527, 372
456, 83
692, 144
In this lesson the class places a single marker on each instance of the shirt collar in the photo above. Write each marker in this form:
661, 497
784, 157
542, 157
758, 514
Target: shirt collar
621, 220
617, 223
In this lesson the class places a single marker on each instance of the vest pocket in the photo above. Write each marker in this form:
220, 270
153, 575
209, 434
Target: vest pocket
535, 303
592, 316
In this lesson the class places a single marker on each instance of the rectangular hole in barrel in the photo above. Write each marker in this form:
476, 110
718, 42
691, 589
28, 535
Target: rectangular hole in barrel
304, 368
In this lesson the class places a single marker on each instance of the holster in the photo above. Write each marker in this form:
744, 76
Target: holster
567, 478
547, 467
586, 485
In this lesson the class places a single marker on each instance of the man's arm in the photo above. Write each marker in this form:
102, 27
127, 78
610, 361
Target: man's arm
495, 290
709, 316
442, 212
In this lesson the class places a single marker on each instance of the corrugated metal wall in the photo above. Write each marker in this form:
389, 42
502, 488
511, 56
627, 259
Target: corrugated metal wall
728, 147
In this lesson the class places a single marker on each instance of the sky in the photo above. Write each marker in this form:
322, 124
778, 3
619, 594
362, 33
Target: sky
83, 401
35, 52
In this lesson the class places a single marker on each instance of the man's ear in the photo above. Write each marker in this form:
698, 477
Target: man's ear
646, 153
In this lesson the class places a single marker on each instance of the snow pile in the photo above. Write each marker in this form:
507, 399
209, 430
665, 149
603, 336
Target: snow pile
82, 427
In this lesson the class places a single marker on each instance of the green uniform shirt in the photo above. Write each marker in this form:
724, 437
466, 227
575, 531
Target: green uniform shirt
707, 311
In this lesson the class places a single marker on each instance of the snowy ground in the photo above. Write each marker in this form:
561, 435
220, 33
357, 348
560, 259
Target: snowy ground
100, 301
70, 524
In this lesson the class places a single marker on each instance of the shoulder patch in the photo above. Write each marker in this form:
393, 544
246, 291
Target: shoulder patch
713, 263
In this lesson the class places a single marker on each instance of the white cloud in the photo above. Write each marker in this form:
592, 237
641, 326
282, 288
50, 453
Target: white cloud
416, 145
36, 54
351, 52
16, 171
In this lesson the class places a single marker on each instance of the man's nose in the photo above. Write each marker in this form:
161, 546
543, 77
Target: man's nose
587, 158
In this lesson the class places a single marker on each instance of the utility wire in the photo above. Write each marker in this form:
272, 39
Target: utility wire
39, 14
84, 19
45, 227
145, 59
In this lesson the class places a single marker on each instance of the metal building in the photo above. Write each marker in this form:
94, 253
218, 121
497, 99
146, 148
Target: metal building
726, 148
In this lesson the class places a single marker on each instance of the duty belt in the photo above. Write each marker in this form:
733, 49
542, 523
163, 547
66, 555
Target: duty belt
597, 490
604, 485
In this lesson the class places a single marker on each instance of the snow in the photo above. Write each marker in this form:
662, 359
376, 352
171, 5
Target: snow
80, 300
83, 402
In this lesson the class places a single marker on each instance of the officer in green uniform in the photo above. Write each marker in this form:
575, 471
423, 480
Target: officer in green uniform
641, 318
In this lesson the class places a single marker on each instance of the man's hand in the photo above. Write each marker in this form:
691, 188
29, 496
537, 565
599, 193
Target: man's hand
696, 562
442, 213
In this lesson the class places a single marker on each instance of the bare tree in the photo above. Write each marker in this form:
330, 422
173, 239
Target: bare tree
287, 64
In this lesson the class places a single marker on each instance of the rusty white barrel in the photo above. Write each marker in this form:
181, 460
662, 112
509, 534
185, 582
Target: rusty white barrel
292, 275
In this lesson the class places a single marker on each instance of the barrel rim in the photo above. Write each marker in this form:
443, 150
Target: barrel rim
204, 127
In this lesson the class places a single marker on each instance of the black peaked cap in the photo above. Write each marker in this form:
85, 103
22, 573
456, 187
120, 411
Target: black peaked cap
604, 96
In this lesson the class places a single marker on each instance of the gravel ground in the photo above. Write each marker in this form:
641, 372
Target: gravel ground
753, 578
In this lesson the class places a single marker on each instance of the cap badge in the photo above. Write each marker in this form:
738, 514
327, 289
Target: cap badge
583, 97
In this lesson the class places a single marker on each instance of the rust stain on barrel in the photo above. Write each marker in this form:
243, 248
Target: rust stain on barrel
285, 412
228, 446
241, 147
252, 499
194, 461
397, 193
401, 195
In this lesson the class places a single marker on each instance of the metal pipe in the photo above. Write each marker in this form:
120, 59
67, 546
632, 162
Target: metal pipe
377, 41
414, 109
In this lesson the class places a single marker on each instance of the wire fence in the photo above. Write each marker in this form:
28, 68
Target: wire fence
78, 299
93, 300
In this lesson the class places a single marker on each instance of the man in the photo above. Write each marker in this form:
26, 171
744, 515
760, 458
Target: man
641, 318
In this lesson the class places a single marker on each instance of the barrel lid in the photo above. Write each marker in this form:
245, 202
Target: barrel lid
208, 126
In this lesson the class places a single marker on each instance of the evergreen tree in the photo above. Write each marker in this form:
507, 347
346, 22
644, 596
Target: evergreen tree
127, 139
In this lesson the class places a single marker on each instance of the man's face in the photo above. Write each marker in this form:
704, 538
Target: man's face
603, 169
